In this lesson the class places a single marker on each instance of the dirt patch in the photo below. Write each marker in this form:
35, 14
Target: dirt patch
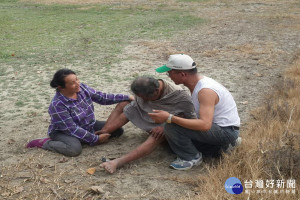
245, 45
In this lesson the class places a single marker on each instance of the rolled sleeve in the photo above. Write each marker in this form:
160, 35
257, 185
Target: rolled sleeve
105, 98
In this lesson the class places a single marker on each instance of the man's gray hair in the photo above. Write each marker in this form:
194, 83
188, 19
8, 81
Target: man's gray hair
144, 86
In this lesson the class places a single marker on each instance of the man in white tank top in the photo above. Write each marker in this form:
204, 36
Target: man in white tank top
217, 127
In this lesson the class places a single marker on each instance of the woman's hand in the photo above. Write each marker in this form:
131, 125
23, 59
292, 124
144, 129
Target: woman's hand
131, 98
103, 137
159, 116
99, 132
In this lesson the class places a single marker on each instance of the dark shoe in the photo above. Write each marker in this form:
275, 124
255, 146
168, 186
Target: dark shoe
117, 133
180, 164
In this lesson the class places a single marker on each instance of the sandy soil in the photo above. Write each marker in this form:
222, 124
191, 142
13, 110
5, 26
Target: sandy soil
245, 45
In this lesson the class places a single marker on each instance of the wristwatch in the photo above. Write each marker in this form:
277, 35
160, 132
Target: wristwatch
169, 120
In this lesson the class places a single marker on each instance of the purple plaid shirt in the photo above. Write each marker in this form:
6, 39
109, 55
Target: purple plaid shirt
76, 117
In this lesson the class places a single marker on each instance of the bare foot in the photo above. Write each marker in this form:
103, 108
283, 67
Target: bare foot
110, 166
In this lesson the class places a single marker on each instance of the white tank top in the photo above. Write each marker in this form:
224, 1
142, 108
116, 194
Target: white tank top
225, 113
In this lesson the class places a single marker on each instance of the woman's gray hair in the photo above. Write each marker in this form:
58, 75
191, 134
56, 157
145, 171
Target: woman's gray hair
144, 86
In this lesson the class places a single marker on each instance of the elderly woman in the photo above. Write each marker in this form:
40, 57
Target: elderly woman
72, 116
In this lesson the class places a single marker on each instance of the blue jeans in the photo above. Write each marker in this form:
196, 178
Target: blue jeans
70, 145
186, 143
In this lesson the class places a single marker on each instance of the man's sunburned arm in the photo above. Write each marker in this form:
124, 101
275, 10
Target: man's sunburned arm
116, 119
142, 150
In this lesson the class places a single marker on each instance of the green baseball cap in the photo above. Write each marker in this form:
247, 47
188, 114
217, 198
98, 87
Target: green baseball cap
162, 69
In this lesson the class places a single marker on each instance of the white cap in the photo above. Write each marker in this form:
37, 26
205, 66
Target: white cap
179, 62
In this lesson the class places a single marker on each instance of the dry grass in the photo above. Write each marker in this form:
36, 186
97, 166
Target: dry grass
70, 2
82, 2
270, 148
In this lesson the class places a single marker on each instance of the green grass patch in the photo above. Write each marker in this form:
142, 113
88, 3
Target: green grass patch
43, 34
20, 104
5, 55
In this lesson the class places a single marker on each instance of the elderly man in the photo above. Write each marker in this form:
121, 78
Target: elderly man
150, 94
217, 126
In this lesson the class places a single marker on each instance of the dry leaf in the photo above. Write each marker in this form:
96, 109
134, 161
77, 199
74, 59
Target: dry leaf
258, 74
11, 141
63, 160
91, 170
97, 189
39, 166
19, 189
68, 181
44, 180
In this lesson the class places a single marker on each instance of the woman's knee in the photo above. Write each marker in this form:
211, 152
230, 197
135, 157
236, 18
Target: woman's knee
73, 151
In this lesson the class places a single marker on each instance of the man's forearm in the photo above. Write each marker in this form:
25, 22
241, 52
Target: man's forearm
194, 124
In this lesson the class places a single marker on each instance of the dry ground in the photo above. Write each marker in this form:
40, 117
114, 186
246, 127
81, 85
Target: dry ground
245, 45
